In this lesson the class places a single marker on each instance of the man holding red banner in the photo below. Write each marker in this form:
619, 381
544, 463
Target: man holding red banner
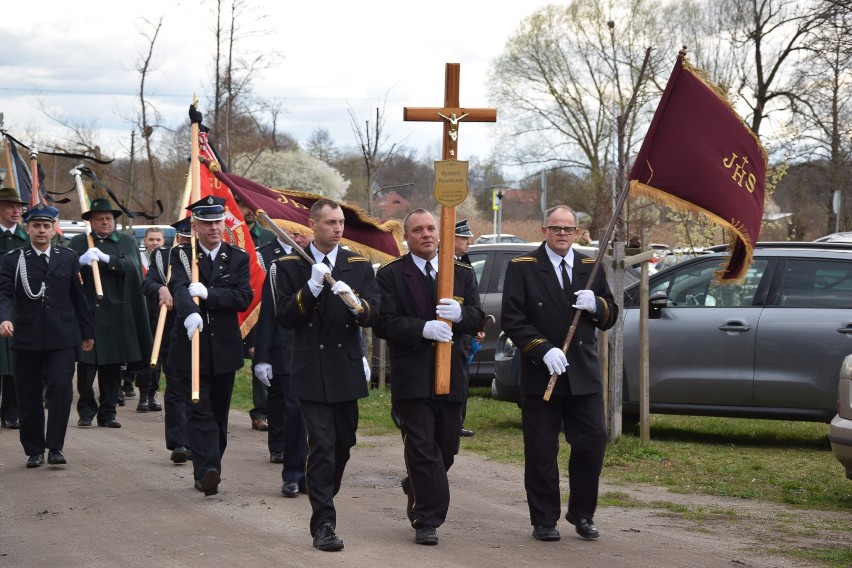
327, 371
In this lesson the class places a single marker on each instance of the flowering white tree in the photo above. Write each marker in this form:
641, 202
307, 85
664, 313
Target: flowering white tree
292, 169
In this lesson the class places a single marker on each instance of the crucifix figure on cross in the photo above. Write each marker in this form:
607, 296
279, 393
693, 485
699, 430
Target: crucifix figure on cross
454, 130
448, 194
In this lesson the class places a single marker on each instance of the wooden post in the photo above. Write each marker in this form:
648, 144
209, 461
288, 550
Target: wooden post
195, 176
450, 114
644, 369
616, 370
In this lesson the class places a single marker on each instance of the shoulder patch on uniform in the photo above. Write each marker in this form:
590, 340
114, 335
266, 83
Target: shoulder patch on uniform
525, 259
388, 263
462, 264
242, 250
358, 259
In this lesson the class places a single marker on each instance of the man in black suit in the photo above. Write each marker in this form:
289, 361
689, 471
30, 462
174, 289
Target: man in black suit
541, 293
156, 290
287, 436
223, 290
327, 370
462, 236
41, 294
408, 321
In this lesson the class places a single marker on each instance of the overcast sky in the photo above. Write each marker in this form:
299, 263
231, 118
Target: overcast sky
79, 59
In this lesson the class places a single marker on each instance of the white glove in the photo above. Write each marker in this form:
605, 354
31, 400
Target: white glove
341, 288
263, 372
438, 331
102, 256
318, 272
191, 323
586, 301
449, 309
198, 290
556, 361
366, 368
88, 257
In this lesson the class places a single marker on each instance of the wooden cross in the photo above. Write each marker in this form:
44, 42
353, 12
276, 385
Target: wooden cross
450, 114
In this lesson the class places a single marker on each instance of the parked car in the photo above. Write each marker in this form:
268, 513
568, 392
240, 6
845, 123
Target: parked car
842, 237
495, 238
766, 347
489, 263
840, 431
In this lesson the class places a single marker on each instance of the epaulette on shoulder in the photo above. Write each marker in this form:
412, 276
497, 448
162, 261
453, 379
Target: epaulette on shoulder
525, 259
288, 257
182, 246
242, 250
462, 264
388, 263
587, 260
358, 259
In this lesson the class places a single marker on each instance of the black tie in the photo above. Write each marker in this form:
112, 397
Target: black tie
430, 279
45, 258
566, 281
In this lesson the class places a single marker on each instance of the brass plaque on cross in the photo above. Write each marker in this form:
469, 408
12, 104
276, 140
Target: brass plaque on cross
450, 182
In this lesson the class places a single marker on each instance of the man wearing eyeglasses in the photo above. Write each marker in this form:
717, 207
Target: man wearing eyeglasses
542, 292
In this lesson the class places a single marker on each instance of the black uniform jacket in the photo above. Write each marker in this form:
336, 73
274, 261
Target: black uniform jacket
59, 319
327, 352
122, 329
272, 341
405, 309
228, 293
536, 315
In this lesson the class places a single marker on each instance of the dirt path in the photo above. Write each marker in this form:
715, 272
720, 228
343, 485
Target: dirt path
121, 503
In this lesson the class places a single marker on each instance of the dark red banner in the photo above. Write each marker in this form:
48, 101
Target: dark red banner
699, 155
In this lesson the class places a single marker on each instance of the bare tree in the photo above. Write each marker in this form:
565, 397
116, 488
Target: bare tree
770, 37
822, 126
375, 148
235, 111
146, 128
564, 77
321, 146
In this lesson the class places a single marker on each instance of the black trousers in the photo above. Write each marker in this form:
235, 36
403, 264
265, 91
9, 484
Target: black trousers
207, 420
31, 369
259, 396
431, 441
175, 401
331, 435
8, 398
585, 430
109, 381
287, 432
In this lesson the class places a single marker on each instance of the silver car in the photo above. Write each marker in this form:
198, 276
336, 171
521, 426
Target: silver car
840, 431
766, 347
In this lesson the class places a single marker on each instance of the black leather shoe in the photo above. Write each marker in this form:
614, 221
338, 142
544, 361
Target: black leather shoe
128, 390
465, 433
545, 533
109, 423
11, 424
84, 422
142, 405
55, 457
35, 460
153, 405
180, 454
120, 399
426, 535
209, 482
326, 540
290, 489
276, 457
585, 527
